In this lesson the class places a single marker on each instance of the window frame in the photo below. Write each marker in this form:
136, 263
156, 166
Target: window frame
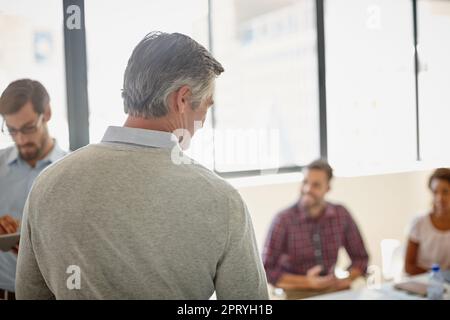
77, 94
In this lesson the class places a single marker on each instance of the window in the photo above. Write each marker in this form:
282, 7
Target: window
32, 46
371, 111
113, 29
434, 79
266, 111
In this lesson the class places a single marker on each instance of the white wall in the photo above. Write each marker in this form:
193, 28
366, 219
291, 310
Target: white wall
382, 205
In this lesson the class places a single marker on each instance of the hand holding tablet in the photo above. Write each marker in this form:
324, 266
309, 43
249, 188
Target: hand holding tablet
9, 241
9, 233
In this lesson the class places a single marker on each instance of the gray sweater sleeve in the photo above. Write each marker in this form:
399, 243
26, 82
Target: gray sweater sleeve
240, 274
29, 281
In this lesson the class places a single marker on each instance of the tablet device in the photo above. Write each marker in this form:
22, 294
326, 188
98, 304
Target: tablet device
8, 241
413, 287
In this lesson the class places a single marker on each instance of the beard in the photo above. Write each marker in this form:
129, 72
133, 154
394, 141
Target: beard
30, 151
309, 201
33, 151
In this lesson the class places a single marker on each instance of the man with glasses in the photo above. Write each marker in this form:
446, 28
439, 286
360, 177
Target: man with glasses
25, 108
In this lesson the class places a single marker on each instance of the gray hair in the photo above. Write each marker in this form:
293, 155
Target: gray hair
161, 64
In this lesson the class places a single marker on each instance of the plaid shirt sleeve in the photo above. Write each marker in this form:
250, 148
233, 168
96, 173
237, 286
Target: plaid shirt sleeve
274, 248
354, 244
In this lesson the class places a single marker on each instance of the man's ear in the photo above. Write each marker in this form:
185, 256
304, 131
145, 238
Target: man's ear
182, 99
47, 113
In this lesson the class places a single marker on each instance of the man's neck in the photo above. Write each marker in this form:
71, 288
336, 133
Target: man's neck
160, 124
48, 147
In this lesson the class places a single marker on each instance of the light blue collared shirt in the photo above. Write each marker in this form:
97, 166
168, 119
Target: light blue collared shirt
16, 179
142, 137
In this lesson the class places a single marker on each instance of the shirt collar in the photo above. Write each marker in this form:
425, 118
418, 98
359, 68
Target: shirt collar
54, 155
12, 156
330, 211
142, 137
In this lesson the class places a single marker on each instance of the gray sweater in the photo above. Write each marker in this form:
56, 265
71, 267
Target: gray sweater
121, 220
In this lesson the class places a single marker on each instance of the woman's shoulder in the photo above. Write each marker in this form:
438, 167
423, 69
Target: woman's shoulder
420, 218
416, 225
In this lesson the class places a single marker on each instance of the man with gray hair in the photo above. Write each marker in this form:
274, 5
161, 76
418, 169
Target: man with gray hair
124, 219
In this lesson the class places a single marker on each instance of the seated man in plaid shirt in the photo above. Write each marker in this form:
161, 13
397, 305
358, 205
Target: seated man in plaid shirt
303, 242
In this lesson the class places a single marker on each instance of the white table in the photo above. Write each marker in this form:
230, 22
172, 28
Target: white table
385, 292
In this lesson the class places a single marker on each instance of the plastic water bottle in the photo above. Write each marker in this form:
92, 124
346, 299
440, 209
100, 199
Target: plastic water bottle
435, 289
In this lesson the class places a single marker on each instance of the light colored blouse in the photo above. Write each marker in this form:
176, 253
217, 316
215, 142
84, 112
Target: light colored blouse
434, 244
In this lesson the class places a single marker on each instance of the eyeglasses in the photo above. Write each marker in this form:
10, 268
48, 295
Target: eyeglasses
29, 129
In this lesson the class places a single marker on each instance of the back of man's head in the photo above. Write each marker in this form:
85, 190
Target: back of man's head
20, 92
161, 64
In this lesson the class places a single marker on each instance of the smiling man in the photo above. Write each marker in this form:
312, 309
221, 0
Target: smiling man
25, 108
302, 246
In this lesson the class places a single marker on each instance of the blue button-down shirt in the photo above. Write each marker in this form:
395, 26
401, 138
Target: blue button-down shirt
16, 179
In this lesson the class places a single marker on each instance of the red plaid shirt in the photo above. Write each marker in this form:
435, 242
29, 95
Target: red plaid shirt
297, 242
